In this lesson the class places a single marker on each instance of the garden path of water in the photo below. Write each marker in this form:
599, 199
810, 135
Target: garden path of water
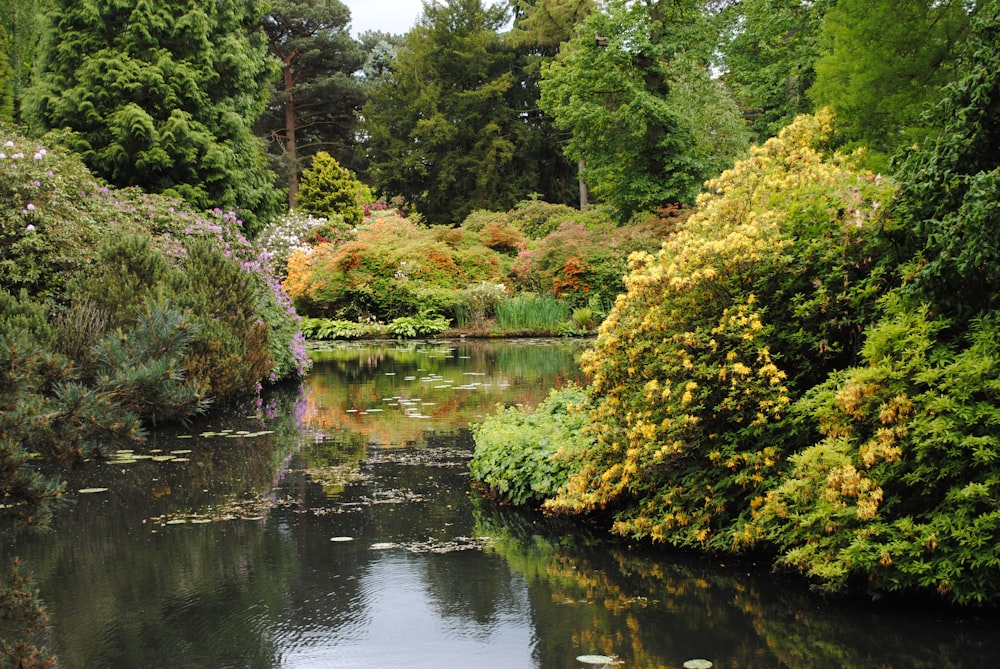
333, 525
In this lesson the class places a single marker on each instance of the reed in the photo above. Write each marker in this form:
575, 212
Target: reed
528, 311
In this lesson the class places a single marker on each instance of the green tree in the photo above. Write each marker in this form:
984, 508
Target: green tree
629, 89
949, 208
443, 129
20, 26
885, 61
329, 189
314, 104
768, 51
162, 96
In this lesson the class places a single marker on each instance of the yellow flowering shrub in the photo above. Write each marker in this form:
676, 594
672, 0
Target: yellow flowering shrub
757, 297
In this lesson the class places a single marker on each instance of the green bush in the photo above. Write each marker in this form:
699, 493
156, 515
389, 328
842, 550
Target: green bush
522, 456
328, 189
903, 493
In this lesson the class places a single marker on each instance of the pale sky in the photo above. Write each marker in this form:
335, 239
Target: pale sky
392, 16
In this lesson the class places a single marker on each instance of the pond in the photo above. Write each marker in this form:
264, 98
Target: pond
333, 525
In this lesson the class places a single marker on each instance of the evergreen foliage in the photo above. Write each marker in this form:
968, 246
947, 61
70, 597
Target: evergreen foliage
446, 125
314, 103
884, 62
330, 190
161, 96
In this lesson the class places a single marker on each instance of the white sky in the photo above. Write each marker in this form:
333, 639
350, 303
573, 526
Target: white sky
392, 16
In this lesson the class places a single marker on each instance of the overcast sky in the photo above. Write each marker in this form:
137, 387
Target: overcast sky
391, 16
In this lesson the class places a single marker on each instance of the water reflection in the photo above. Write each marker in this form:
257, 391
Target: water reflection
339, 536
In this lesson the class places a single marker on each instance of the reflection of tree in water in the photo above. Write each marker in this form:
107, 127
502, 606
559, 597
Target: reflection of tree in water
390, 391
659, 608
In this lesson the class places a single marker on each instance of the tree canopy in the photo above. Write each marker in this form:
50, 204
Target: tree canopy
314, 103
443, 127
884, 62
162, 96
629, 90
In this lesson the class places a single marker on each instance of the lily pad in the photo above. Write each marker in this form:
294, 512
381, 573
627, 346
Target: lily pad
698, 664
87, 491
341, 538
595, 659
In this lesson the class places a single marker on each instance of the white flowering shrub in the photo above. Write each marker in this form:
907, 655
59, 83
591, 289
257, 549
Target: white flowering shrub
279, 239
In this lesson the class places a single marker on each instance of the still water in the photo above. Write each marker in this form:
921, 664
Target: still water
333, 525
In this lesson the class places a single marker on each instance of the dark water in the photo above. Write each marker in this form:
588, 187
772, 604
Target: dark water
335, 527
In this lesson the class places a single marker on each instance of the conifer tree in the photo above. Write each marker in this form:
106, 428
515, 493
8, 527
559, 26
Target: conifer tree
314, 103
162, 96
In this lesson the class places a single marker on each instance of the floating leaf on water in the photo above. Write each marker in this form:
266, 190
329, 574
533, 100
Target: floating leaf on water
341, 538
210, 434
181, 451
382, 546
162, 458
185, 436
177, 521
180, 460
87, 491
698, 664
200, 521
595, 659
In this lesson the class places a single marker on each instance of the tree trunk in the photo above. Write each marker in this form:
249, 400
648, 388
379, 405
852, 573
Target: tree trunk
583, 186
293, 161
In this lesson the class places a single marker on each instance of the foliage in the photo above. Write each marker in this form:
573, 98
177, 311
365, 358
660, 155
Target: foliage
948, 207
769, 48
45, 409
329, 190
22, 621
752, 301
630, 100
529, 312
161, 96
281, 237
390, 270
450, 126
524, 456
900, 495
405, 327
884, 62
56, 219
479, 302
314, 103
424, 323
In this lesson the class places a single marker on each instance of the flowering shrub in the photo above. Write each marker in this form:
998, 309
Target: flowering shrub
389, 270
55, 219
760, 293
295, 231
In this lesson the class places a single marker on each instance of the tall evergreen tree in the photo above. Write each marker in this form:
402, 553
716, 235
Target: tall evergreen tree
442, 126
20, 25
315, 102
162, 95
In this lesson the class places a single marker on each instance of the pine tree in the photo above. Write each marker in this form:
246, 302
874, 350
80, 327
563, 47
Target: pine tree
162, 96
314, 104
